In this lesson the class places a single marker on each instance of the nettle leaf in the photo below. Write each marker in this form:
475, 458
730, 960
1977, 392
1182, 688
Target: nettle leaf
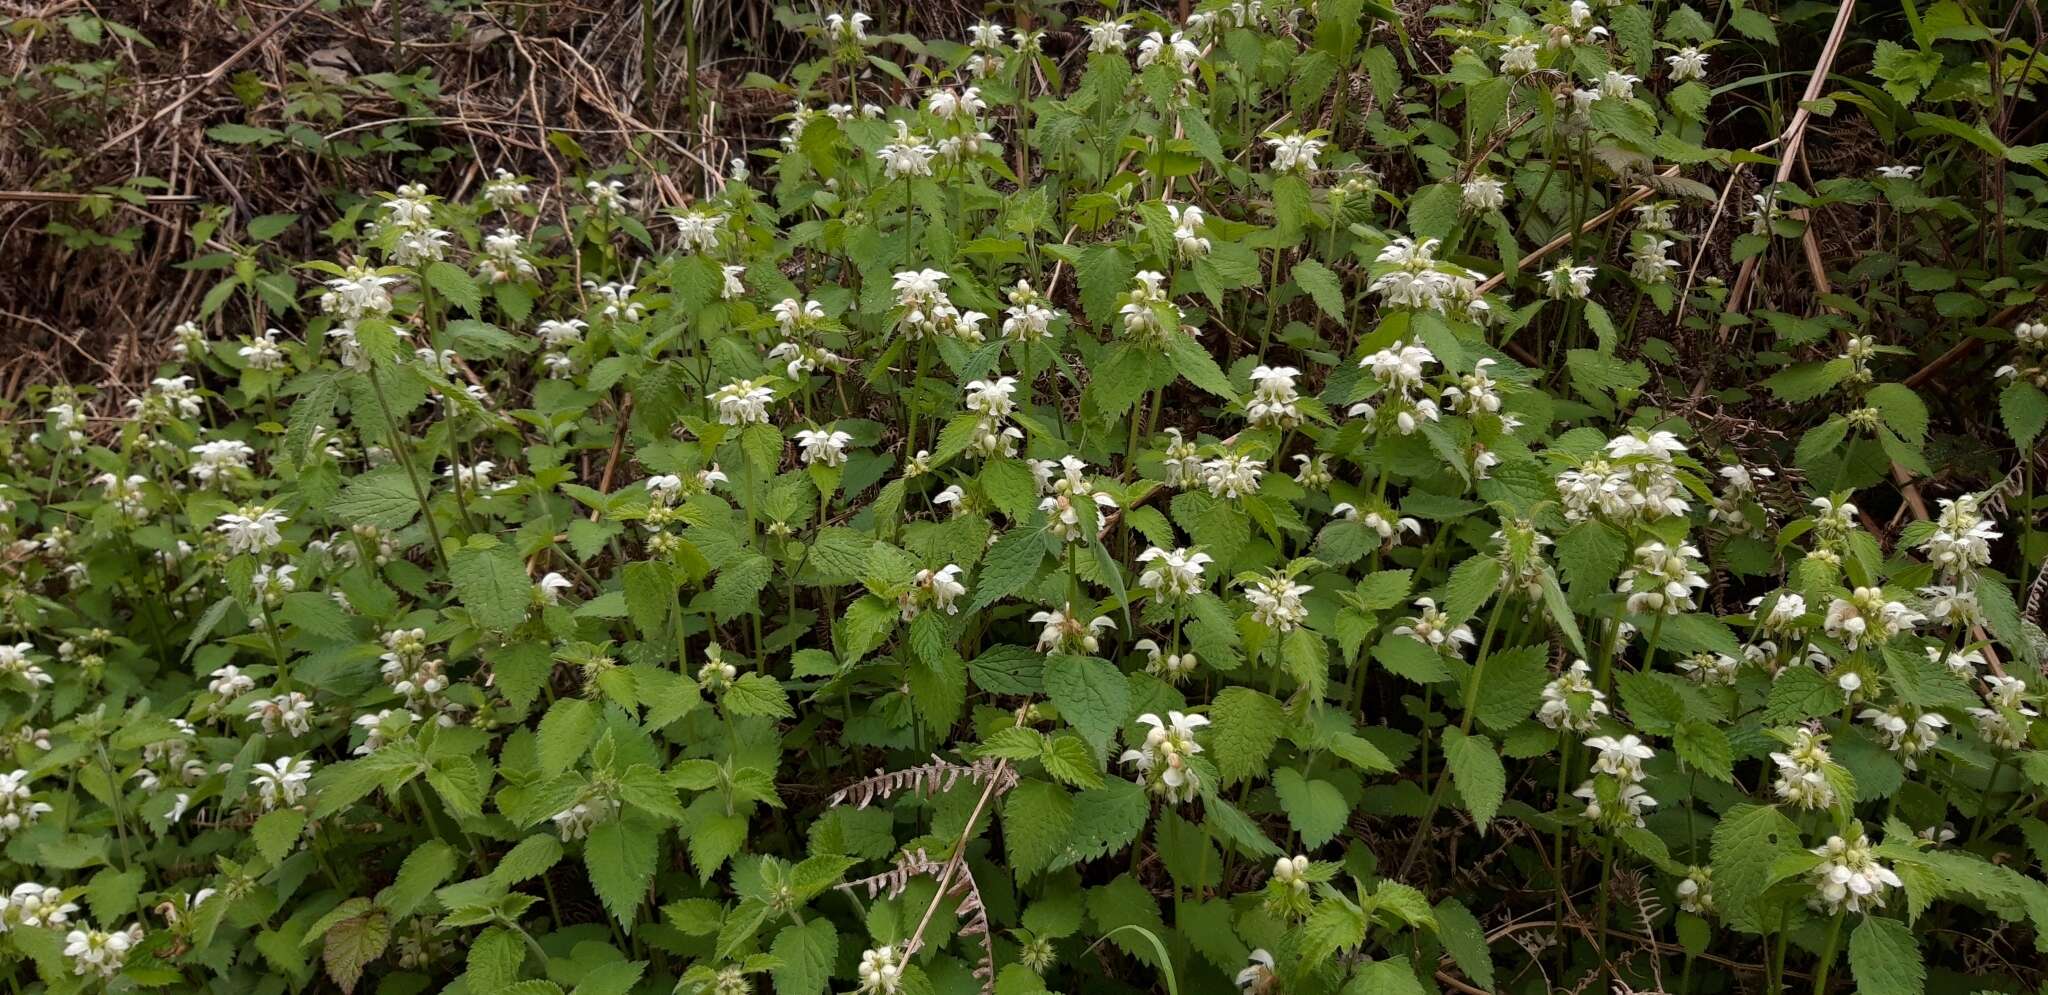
1747, 842
492, 585
1315, 808
1321, 285
1885, 957
1245, 725
804, 954
1092, 696
1477, 773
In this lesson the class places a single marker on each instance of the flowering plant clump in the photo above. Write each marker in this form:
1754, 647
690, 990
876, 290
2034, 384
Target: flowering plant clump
1193, 483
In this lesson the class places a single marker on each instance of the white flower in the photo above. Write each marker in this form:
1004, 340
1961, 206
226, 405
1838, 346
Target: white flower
216, 459
18, 807
1258, 976
1618, 85
1292, 871
1401, 365
845, 27
99, 954
1295, 153
2006, 719
263, 353
880, 971
32, 904
1484, 193
1432, 628
733, 288
939, 588
906, 159
558, 334
992, 399
1106, 36
1649, 261
1232, 476
819, 445
1622, 758
1696, 891
251, 529
1866, 617
1276, 601
1662, 579
1180, 48
1568, 280
1689, 63
1274, 402
552, 586
281, 783
742, 402
1518, 56
1898, 172
576, 821
1849, 877
1906, 737
291, 712
1633, 798
505, 190
609, 197
1803, 771
1162, 758
947, 104
698, 230
1173, 574
1065, 632
1571, 702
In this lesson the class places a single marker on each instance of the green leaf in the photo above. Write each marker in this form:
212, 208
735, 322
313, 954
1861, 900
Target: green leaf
1315, 808
1747, 841
458, 287
1477, 773
1322, 286
1009, 566
805, 954
352, 944
1068, 758
1037, 817
1465, 939
383, 498
1092, 696
565, 732
2024, 410
757, 694
1885, 958
1194, 362
492, 585
1245, 724
619, 856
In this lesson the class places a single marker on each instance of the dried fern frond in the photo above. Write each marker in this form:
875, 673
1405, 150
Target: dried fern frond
933, 778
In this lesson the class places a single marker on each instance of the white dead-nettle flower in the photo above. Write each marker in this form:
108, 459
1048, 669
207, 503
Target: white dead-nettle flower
271, 584
698, 230
1571, 702
381, 727
1232, 475
419, 246
1475, 393
1621, 758
1066, 493
559, 334
1656, 217
818, 445
188, 340
1618, 85
1803, 771
617, 301
1162, 759
1188, 224
32, 904
1314, 471
15, 661
99, 954
1106, 36
733, 288
1434, 629
1906, 736
229, 683
1484, 193
847, 27
263, 352
939, 589
1292, 872
1149, 315
1258, 977
1400, 366
742, 402
1711, 669
906, 157
1662, 579
1849, 877
1274, 402
251, 529
504, 258
505, 190
1183, 463
2006, 717
1567, 280
609, 197
1650, 260
1276, 601
1898, 172
1172, 667
1065, 632
1867, 617
881, 973
1961, 542
1631, 800
576, 821
994, 398
291, 712
1696, 891
18, 808
551, 587
358, 293
1518, 56
281, 783
794, 316
1172, 574
947, 104
1295, 153
1689, 63
1952, 605
1180, 51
